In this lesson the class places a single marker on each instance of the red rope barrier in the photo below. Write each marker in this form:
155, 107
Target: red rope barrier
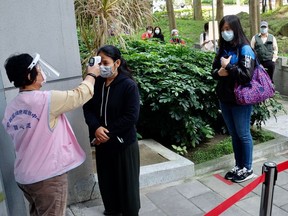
243, 192
283, 166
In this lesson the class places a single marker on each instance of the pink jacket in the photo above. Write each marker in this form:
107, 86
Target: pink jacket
41, 152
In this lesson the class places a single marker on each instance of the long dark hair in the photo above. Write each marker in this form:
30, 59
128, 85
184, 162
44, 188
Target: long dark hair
160, 30
17, 70
239, 37
114, 53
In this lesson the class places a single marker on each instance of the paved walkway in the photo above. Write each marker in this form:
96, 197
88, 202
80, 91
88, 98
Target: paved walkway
200, 194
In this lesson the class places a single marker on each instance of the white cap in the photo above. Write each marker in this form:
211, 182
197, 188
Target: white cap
174, 31
263, 24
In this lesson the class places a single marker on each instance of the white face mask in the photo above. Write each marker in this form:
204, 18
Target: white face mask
149, 32
157, 31
263, 30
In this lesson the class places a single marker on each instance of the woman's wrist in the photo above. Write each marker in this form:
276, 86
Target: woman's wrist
92, 74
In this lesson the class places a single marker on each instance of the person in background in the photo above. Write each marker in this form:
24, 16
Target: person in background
175, 38
158, 33
45, 145
148, 33
234, 63
266, 47
205, 43
111, 116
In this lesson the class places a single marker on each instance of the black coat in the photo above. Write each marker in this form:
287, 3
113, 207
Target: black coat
240, 70
115, 107
160, 36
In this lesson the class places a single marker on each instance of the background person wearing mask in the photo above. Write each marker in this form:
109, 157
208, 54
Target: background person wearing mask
175, 38
148, 34
266, 47
158, 33
205, 43
234, 63
45, 145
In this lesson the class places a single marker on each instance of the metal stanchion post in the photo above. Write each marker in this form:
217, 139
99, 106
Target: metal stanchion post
270, 170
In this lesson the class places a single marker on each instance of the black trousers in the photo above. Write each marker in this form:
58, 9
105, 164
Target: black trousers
118, 170
269, 67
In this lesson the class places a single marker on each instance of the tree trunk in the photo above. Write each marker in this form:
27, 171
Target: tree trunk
254, 17
264, 6
278, 3
270, 5
197, 10
219, 10
171, 15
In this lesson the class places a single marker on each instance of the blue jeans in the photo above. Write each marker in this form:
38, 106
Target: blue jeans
237, 119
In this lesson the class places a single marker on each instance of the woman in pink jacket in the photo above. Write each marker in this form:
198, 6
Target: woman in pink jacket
45, 145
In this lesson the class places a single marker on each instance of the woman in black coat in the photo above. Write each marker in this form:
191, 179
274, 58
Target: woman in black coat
158, 33
111, 116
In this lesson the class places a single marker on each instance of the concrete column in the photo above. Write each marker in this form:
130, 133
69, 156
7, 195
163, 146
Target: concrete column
49, 28
280, 76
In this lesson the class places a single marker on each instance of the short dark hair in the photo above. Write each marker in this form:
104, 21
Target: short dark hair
16, 67
149, 27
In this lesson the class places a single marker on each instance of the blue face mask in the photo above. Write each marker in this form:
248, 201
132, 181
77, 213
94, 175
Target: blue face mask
263, 30
227, 35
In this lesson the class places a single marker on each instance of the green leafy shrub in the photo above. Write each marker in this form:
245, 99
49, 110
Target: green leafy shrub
263, 111
178, 100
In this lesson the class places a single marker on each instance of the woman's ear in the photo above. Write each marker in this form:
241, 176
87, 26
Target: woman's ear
29, 76
118, 63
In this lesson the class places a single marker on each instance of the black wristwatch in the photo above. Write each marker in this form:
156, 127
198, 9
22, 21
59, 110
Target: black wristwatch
91, 74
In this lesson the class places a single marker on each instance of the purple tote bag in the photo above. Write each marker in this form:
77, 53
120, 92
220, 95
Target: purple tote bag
258, 90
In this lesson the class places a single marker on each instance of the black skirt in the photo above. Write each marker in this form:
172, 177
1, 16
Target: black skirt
118, 175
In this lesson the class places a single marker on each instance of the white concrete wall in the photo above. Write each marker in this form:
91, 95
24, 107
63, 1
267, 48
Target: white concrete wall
49, 28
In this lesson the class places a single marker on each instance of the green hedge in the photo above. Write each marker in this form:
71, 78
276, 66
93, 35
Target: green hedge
179, 105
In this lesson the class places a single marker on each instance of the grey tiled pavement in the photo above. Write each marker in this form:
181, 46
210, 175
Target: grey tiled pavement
201, 193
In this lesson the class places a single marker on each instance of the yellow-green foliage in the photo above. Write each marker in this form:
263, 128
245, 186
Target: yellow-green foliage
2, 197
